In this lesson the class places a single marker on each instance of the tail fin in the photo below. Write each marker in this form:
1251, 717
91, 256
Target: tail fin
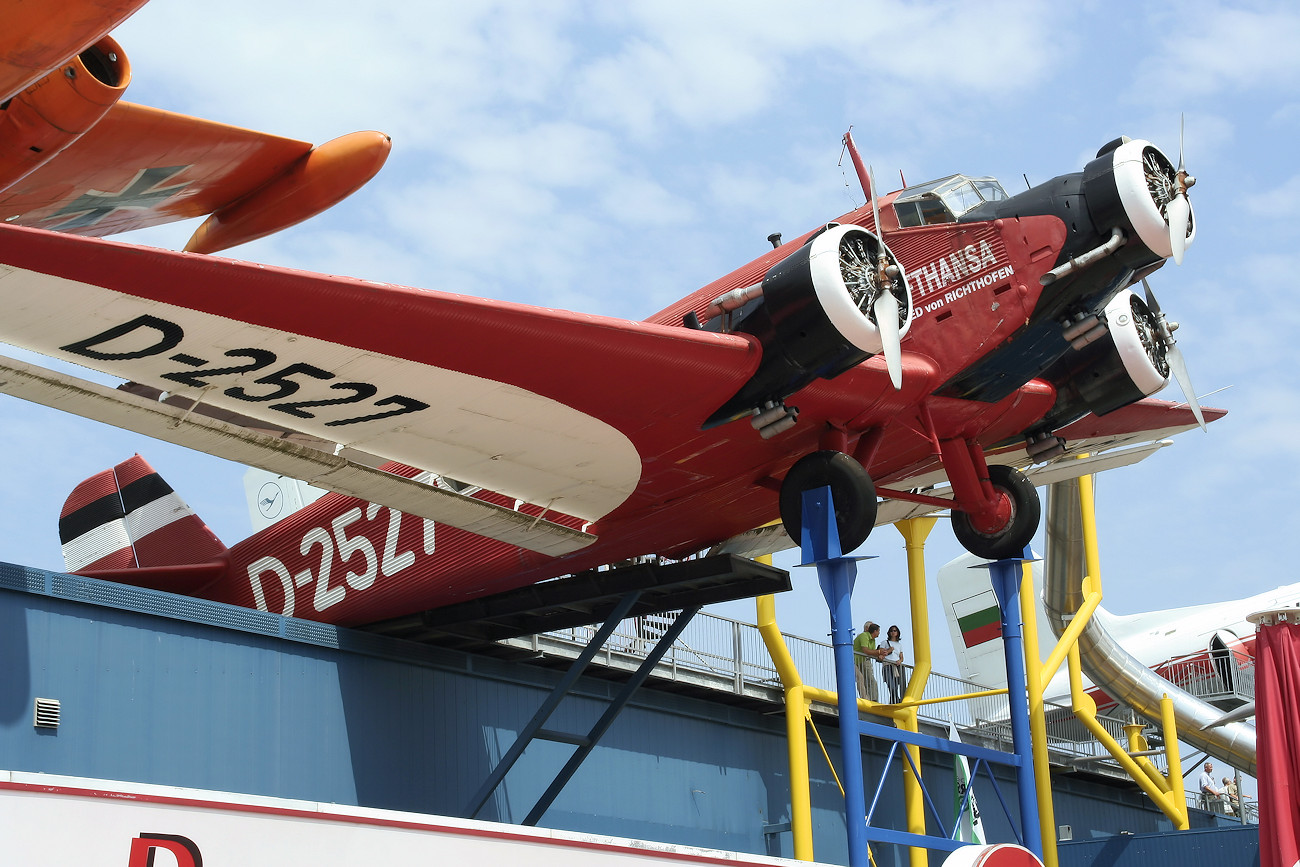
971, 609
974, 622
975, 625
272, 497
128, 518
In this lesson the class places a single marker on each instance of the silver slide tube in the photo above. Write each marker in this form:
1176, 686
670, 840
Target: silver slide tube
1107, 663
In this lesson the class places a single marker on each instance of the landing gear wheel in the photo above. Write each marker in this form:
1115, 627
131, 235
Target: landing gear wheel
1010, 541
852, 493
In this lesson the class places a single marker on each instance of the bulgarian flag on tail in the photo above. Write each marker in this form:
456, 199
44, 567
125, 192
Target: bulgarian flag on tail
969, 827
978, 618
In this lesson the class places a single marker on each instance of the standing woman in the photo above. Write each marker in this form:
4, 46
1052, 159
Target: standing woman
893, 663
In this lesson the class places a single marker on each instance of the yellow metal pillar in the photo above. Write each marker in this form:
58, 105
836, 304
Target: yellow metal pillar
1173, 757
915, 531
1037, 716
1161, 793
1137, 745
1174, 802
797, 702
796, 736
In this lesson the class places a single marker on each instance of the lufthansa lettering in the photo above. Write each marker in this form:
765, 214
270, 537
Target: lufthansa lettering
966, 262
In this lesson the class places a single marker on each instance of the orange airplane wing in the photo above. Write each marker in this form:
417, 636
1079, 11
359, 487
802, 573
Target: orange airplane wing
142, 166
74, 158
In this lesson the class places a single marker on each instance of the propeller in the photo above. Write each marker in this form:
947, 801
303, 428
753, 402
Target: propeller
1177, 365
885, 305
1179, 210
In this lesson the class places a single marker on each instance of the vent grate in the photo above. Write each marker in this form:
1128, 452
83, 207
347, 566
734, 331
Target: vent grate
47, 715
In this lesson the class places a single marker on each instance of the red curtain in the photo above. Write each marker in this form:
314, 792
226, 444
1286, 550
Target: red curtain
1277, 716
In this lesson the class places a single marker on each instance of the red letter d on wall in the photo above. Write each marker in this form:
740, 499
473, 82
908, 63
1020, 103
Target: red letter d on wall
183, 848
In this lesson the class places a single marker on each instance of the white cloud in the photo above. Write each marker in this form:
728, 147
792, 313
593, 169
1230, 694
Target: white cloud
1206, 49
639, 202
1277, 203
562, 154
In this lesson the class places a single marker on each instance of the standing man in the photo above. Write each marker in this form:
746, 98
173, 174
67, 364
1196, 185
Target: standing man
864, 652
1210, 796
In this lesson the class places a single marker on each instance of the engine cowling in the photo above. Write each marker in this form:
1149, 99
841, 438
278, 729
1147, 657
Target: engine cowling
1130, 184
57, 110
814, 317
1124, 365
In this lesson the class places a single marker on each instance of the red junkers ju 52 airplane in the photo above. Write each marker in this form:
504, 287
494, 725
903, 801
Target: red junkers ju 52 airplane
945, 331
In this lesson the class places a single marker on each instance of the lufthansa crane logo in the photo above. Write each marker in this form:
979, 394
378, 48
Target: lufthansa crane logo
270, 500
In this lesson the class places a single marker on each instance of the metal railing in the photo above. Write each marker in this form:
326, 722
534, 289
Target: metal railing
1223, 805
721, 653
1219, 677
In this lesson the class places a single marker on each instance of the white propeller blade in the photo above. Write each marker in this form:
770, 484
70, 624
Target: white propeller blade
1181, 165
886, 309
1179, 211
1178, 368
875, 208
1174, 355
885, 306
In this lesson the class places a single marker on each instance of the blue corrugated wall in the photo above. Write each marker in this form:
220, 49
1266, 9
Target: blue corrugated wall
163, 690
1225, 847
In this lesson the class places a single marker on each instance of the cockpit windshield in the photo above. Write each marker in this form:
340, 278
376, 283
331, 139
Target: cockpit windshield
946, 199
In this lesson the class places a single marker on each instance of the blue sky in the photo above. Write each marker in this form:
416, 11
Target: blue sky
611, 158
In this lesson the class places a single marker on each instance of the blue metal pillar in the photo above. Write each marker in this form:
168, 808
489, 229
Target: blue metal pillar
820, 543
1007, 576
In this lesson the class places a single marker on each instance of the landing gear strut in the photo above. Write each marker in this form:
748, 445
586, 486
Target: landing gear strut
852, 492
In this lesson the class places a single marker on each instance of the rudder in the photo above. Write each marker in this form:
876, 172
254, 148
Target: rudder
129, 518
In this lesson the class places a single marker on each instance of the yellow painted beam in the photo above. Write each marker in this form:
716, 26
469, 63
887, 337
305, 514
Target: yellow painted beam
1173, 756
1166, 793
1085, 709
1037, 716
915, 531
797, 702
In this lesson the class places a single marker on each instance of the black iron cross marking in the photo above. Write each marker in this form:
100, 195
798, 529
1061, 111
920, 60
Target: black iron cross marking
142, 193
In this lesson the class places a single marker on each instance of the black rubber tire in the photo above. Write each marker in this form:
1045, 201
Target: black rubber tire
852, 492
1010, 541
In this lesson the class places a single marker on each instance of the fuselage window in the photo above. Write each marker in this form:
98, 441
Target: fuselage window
922, 212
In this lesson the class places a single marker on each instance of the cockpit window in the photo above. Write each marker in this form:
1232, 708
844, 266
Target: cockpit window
989, 189
944, 200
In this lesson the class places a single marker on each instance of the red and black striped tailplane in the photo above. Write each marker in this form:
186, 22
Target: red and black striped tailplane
128, 520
